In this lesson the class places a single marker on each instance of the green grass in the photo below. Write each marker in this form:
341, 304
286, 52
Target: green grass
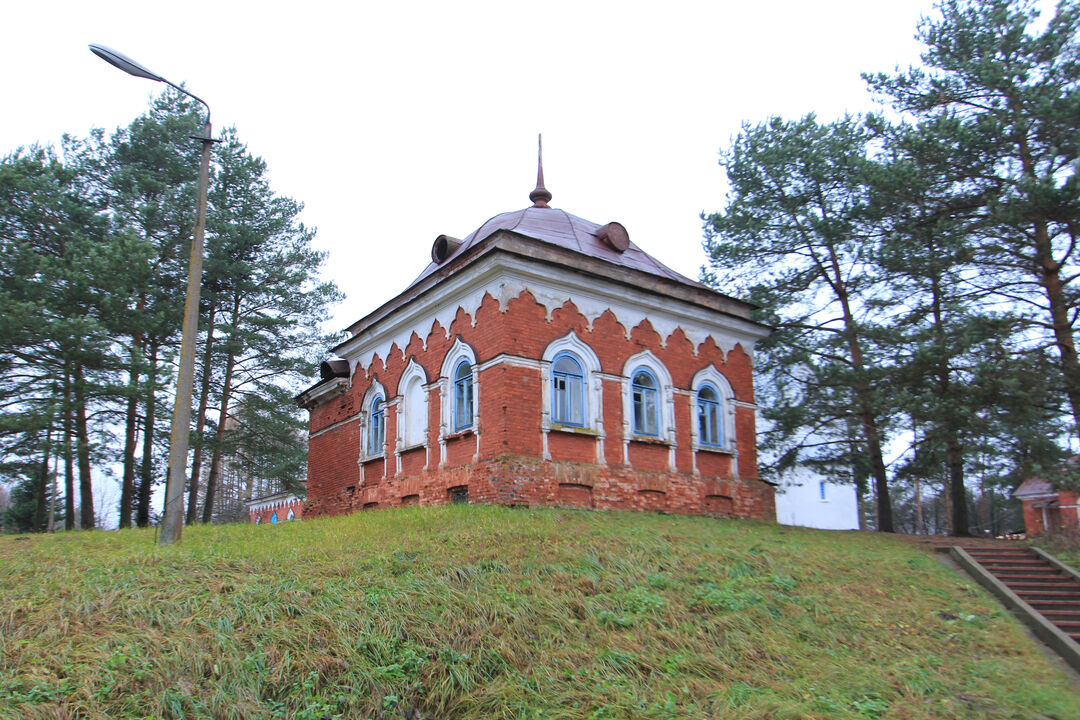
485, 612
1066, 549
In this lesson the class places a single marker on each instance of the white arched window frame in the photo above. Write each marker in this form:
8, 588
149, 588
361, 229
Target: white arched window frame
591, 398
373, 423
450, 424
412, 407
709, 376
647, 363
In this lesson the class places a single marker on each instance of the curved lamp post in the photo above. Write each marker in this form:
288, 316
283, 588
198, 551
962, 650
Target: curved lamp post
173, 522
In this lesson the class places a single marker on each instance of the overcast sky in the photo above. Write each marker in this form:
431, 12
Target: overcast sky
396, 122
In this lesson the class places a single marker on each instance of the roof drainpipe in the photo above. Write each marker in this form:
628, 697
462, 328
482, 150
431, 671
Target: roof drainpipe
443, 247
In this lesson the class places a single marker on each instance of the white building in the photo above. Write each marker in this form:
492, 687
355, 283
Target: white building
808, 500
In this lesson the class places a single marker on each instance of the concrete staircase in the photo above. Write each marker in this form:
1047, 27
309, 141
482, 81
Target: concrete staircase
1041, 590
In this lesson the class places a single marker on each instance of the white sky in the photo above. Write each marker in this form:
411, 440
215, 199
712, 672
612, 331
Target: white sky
395, 122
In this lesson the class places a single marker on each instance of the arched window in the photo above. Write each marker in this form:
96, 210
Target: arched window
709, 423
567, 390
412, 407
376, 427
258, 519
645, 390
273, 517
648, 400
291, 516
459, 392
713, 412
463, 396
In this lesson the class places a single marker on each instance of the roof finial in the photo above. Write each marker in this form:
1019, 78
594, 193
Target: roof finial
540, 195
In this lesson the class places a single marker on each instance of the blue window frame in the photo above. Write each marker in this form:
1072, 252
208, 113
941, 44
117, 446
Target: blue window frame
273, 517
377, 427
821, 489
567, 390
646, 412
710, 430
463, 396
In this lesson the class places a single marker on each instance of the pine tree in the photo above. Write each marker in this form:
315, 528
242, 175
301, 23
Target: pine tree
267, 303
1003, 95
794, 235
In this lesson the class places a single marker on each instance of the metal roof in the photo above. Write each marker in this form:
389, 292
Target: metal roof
558, 227
1034, 487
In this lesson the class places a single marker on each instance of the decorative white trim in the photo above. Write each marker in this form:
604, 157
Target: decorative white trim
593, 390
506, 277
511, 360
665, 400
709, 374
460, 351
273, 504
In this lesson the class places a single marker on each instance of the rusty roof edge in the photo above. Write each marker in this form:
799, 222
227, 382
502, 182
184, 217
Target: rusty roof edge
518, 244
308, 396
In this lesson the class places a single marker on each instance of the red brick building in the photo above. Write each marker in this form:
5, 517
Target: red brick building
282, 507
542, 360
1048, 511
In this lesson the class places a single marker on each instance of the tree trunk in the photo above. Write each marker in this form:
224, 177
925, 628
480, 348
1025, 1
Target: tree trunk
146, 469
954, 458
86, 491
1050, 278
43, 484
946, 499
69, 462
52, 498
863, 393
920, 527
949, 423
127, 484
200, 419
226, 393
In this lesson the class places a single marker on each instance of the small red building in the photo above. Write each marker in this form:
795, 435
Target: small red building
280, 507
543, 360
1048, 511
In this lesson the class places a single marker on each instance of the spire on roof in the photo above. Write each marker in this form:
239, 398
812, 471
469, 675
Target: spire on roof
540, 195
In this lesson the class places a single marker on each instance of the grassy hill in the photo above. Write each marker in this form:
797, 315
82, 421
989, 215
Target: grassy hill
483, 612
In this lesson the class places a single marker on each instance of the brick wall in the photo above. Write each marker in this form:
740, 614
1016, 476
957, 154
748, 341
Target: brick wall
510, 467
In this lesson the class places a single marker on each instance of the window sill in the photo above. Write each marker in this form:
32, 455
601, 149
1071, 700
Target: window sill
458, 434
368, 458
714, 449
650, 440
408, 448
574, 429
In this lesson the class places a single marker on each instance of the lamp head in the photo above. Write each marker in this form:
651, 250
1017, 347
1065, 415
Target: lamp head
124, 63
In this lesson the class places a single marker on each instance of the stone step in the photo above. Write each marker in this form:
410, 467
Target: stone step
1042, 605
1046, 574
1030, 595
1030, 585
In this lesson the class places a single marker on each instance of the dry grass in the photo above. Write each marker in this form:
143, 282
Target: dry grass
482, 612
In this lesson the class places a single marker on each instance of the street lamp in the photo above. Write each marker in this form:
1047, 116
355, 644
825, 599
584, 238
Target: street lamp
173, 522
